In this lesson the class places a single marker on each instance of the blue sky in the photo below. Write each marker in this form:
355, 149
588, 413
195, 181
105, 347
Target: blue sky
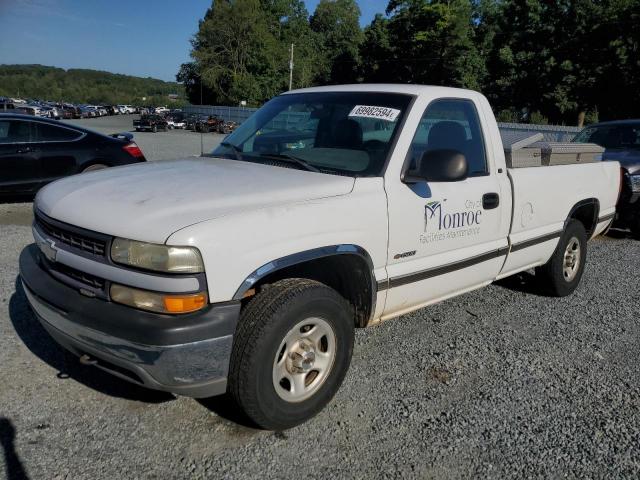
148, 38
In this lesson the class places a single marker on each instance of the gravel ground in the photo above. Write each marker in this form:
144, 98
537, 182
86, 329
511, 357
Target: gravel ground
498, 383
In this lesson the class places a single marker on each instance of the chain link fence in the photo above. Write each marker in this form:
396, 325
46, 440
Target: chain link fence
510, 132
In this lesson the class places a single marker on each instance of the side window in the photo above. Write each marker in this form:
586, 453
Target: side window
4, 131
14, 131
52, 133
451, 124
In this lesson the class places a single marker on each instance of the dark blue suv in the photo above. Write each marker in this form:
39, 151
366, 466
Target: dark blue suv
621, 139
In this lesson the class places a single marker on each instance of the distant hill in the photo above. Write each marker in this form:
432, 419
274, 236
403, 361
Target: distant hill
85, 86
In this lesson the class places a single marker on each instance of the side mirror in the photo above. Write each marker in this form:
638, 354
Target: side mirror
439, 166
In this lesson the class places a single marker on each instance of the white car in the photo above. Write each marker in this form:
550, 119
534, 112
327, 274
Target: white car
176, 122
247, 272
160, 110
126, 109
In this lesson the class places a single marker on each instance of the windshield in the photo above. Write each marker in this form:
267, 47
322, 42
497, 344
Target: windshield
619, 136
331, 132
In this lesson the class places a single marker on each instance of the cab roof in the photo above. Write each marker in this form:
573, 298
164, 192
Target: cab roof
407, 89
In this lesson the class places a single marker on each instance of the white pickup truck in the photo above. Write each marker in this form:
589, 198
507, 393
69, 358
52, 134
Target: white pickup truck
330, 208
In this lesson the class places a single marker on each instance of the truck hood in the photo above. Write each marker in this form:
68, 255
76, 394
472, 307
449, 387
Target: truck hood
150, 201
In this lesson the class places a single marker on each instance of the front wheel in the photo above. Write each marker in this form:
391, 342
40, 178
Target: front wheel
562, 273
291, 352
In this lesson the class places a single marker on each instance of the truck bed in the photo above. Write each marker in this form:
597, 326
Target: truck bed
542, 198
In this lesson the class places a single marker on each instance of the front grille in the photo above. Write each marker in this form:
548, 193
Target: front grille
73, 239
82, 277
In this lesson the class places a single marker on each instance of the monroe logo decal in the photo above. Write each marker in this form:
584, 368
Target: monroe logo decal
439, 224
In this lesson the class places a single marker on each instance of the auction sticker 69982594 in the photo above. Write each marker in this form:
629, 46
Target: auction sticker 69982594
381, 113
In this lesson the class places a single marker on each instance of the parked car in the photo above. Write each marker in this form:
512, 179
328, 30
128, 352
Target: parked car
50, 112
161, 110
227, 127
7, 107
35, 151
126, 109
151, 122
248, 272
621, 141
210, 123
191, 120
28, 110
176, 120
71, 112
87, 112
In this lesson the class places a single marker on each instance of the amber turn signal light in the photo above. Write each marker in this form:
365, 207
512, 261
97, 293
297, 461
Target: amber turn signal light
184, 303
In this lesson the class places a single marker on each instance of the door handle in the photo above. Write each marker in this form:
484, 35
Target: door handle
490, 201
24, 150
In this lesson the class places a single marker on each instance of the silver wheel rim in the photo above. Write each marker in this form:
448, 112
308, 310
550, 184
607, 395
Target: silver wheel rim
571, 262
304, 360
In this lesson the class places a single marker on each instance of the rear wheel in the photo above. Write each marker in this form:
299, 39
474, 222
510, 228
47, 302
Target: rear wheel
562, 273
292, 349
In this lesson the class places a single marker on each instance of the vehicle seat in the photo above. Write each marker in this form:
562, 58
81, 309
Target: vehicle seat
348, 135
447, 135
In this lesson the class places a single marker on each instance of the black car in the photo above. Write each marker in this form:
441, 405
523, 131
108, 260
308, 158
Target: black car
621, 141
151, 122
35, 151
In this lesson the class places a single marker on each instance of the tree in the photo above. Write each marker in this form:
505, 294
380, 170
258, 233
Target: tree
236, 53
84, 86
337, 23
376, 52
428, 42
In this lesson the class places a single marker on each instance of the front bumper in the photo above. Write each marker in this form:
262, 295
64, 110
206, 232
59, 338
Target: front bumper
187, 354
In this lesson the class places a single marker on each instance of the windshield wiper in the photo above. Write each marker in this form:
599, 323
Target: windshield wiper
287, 157
236, 149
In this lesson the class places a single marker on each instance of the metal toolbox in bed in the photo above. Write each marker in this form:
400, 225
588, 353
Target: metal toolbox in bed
569, 153
519, 154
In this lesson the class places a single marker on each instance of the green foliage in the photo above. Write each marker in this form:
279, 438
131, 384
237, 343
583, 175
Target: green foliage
336, 23
538, 119
84, 86
434, 42
565, 61
508, 116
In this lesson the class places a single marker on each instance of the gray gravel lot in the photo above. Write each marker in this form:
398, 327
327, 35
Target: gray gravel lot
497, 383
156, 146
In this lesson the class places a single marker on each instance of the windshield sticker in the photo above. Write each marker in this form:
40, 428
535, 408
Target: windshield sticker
381, 113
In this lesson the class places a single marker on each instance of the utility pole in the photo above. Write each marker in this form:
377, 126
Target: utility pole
197, 119
291, 69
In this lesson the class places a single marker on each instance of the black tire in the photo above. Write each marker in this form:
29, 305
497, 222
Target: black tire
554, 280
635, 228
264, 323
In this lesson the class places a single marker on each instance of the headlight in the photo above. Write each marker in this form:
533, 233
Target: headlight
158, 302
634, 183
160, 258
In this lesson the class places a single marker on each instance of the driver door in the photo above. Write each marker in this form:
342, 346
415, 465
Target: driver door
445, 237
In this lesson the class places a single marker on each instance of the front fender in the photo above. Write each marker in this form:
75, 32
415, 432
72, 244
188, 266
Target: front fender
238, 248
